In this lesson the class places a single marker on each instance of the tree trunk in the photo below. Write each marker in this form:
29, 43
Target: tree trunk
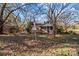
1, 29
66, 29
54, 27
1, 25
54, 30
1, 18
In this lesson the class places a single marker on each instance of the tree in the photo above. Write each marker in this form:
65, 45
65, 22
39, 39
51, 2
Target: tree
3, 9
67, 18
1, 17
55, 10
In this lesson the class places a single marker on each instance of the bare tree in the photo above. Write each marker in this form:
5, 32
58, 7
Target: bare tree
67, 18
2, 19
54, 11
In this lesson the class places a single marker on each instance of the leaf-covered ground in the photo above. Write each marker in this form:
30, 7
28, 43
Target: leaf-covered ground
65, 45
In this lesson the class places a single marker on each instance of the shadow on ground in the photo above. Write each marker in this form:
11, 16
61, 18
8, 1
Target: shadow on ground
26, 43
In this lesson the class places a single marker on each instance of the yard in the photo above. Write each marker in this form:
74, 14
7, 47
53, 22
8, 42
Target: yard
26, 45
29, 29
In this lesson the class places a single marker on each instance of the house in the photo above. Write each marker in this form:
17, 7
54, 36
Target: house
44, 28
10, 28
47, 27
11, 25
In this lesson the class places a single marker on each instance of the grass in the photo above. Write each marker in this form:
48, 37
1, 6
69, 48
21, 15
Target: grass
27, 46
65, 51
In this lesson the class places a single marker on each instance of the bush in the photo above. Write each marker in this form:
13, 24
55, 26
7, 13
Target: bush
60, 30
29, 27
71, 32
65, 32
28, 30
13, 30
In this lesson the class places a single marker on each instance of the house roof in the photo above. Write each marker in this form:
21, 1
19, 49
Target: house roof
48, 24
10, 24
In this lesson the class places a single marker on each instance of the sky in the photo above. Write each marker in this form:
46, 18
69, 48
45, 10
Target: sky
42, 18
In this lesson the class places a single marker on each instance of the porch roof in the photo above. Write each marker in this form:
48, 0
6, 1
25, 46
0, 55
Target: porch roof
47, 24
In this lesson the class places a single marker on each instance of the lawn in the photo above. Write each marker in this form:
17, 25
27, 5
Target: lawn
26, 45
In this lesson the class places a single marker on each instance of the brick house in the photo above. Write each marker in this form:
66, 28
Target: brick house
11, 25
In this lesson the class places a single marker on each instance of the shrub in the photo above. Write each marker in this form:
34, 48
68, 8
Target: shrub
29, 27
13, 30
60, 30
71, 32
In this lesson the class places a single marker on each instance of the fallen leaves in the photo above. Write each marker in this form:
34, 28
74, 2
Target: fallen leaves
41, 47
